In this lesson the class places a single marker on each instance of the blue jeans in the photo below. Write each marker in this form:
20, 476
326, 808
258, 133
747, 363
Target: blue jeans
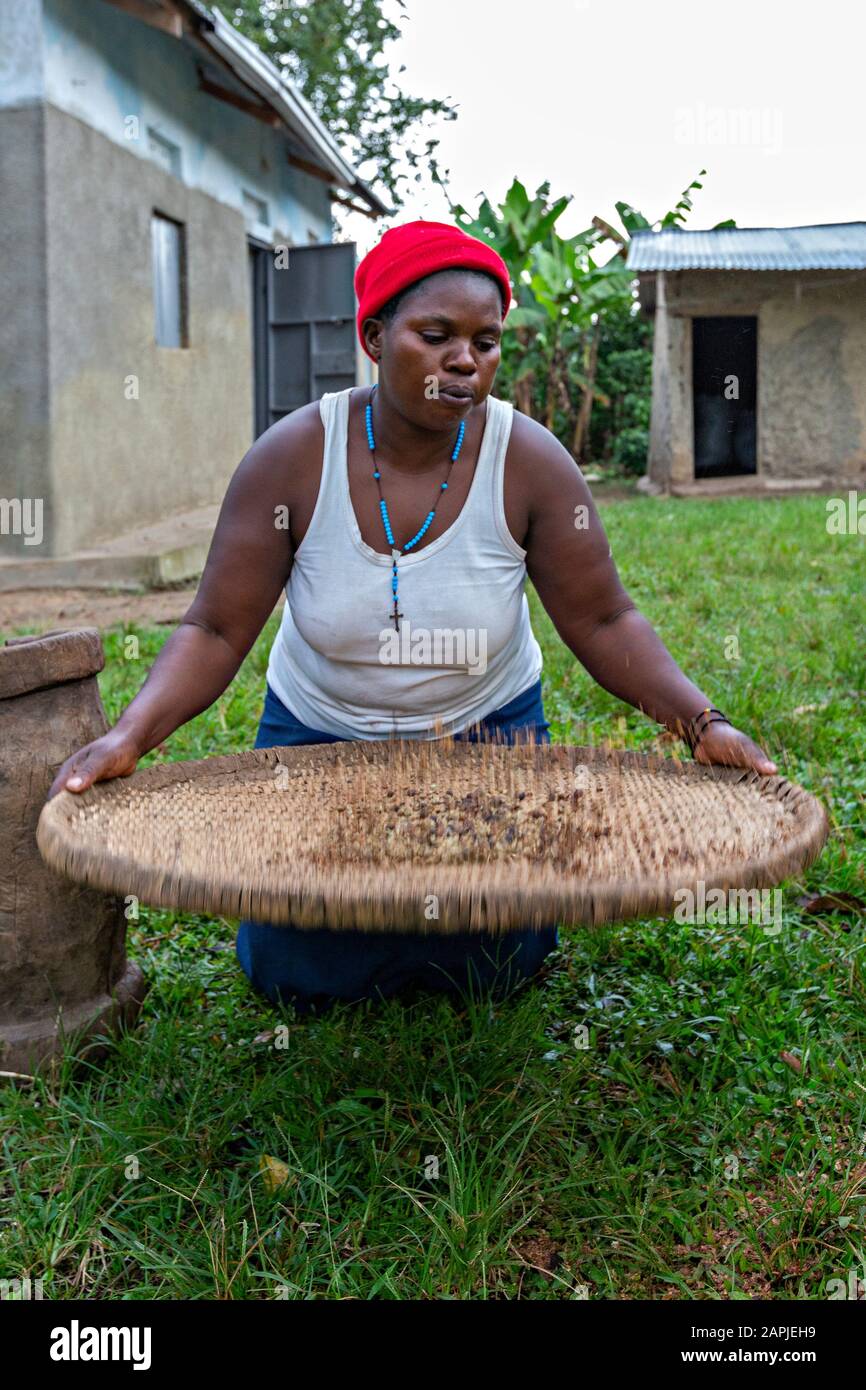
314, 967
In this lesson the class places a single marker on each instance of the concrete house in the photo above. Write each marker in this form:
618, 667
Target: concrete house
759, 357
169, 283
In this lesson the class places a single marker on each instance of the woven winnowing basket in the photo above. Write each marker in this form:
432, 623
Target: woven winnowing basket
432, 836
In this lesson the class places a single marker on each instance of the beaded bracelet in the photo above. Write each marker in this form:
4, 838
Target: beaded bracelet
693, 736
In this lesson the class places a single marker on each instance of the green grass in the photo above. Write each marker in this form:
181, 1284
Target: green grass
677, 1156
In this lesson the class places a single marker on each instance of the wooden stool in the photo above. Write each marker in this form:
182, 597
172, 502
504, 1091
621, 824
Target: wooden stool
64, 975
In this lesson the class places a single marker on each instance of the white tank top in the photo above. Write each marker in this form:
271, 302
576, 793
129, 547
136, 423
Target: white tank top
465, 645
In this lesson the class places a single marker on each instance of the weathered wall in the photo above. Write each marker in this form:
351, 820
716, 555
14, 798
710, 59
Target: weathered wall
82, 83
811, 369
25, 461
123, 77
813, 380
22, 76
120, 462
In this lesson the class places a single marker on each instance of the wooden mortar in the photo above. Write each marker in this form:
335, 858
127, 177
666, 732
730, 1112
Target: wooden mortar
64, 975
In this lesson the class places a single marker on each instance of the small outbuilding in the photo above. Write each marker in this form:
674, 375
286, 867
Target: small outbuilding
759, 359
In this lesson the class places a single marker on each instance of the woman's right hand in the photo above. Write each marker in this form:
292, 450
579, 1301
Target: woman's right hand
115, 754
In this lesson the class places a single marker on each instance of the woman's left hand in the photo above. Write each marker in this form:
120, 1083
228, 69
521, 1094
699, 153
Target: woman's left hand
722, 743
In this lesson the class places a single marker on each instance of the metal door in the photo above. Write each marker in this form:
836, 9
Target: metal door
303, 326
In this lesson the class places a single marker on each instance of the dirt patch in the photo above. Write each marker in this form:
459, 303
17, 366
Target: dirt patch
614, 491
36, 610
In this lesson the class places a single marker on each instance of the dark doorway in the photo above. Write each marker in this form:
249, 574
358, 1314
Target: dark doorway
303, 325
724, 377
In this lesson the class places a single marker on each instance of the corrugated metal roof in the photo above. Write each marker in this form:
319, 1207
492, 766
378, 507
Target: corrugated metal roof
835, 246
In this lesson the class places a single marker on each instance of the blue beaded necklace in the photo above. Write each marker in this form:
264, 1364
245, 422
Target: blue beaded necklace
397, 551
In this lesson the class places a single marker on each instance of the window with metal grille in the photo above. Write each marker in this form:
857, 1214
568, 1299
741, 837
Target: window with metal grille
169, 281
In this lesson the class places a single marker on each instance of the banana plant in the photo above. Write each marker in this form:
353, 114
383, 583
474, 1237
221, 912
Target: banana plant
553, 334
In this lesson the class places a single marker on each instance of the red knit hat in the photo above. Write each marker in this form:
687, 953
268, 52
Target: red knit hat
408, 253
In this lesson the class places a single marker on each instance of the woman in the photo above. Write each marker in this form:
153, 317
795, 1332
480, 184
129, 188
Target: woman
402, 521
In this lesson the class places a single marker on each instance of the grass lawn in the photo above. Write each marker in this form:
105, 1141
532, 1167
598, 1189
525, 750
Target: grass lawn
439, 1152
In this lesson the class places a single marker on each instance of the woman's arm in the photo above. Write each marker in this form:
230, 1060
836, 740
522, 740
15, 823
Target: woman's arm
570, 563
248, 564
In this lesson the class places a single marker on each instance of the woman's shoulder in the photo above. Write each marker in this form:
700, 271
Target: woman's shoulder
303, 425
534, 450
284, 464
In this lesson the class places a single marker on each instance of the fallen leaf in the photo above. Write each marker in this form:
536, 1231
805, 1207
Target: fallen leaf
667, 1078
275, 1173
817, 903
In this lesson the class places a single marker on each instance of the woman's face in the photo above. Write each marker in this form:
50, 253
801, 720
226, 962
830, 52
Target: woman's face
438, 355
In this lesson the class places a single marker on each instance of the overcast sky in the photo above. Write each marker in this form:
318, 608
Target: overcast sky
628, 99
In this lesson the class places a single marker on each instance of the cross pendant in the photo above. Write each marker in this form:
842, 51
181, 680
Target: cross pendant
395, 616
